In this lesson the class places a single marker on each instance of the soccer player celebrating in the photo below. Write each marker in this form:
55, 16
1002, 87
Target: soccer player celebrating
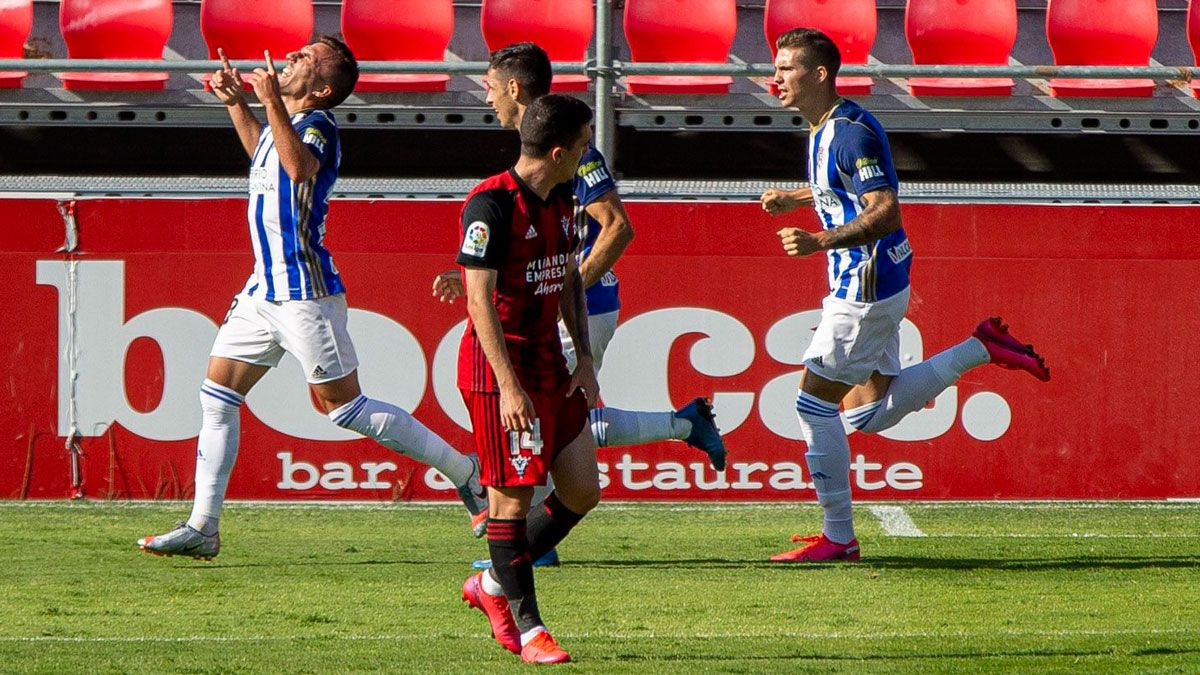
854, 358
517, 75
294, 300
529, 412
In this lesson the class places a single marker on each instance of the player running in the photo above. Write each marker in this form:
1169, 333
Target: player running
854, 357
518, 75
529, 412
294, 300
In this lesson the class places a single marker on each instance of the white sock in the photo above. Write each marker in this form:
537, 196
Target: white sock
216, 451
490, 585
528, 635
397, 430
917, 385
614, 428
828, 459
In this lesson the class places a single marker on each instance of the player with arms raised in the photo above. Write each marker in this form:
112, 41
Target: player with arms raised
854, 357
294, 300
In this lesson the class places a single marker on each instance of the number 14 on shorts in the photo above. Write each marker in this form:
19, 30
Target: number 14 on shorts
526, 440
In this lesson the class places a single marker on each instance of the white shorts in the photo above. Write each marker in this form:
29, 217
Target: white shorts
601, 328
314, 331
855, 339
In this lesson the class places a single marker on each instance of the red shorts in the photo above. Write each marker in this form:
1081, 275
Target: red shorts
509, 459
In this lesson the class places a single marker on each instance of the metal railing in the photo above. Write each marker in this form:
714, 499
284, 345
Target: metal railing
605, 71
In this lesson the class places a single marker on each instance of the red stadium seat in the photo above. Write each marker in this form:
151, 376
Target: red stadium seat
680, 30
16, 20
1101, 33
1193, 33
976, 32
115, 29
226, 24
851, 24
399, 30
562, 27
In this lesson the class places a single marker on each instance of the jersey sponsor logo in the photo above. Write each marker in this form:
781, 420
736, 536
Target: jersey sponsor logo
593, 173
315, 138
532, 233
609, 279
868, 168
260, 180
900, 251
825, 200
547, 273
476, 240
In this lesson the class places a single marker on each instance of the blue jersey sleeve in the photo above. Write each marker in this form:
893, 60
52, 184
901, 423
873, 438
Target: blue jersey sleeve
593, 179
862, 156
319, 133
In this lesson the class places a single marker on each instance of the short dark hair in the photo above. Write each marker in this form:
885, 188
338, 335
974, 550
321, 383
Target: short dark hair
526, 63
345, 71
552, 121
817, 48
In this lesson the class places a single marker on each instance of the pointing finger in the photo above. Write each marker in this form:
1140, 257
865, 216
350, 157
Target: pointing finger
224, 59
270, 63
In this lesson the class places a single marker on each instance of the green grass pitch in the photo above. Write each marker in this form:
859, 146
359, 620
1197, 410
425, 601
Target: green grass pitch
1058, 587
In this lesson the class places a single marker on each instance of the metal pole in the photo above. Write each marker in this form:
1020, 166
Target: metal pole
606, 80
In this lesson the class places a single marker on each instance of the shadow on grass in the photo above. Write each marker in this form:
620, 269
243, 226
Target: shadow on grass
879, 659
907, 562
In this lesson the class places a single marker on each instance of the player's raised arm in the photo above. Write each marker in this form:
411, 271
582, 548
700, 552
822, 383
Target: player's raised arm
295, 158
227, 85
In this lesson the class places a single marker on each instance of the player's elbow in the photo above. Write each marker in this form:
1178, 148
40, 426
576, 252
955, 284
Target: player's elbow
302, 170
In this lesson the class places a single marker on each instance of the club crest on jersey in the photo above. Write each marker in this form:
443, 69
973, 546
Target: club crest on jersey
475, 241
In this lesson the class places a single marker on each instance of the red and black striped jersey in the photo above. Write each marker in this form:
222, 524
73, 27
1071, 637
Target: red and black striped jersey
529, 241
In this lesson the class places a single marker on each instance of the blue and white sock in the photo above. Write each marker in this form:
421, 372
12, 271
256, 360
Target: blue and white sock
828, 460
395, 429
216, 452
917, 385
614, 428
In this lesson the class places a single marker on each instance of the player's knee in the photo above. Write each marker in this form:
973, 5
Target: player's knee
352, 416
219, 402
582, 498
864, 417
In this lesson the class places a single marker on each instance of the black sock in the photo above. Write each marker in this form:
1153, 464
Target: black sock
549, 523
512, 566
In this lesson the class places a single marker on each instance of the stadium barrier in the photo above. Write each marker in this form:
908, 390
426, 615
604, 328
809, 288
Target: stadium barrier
106, 357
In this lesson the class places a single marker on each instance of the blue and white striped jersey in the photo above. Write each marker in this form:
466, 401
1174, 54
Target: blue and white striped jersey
287, 219
849, 156
593, 180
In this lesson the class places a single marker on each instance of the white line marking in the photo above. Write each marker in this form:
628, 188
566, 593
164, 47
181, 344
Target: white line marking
896, 522
426, 637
